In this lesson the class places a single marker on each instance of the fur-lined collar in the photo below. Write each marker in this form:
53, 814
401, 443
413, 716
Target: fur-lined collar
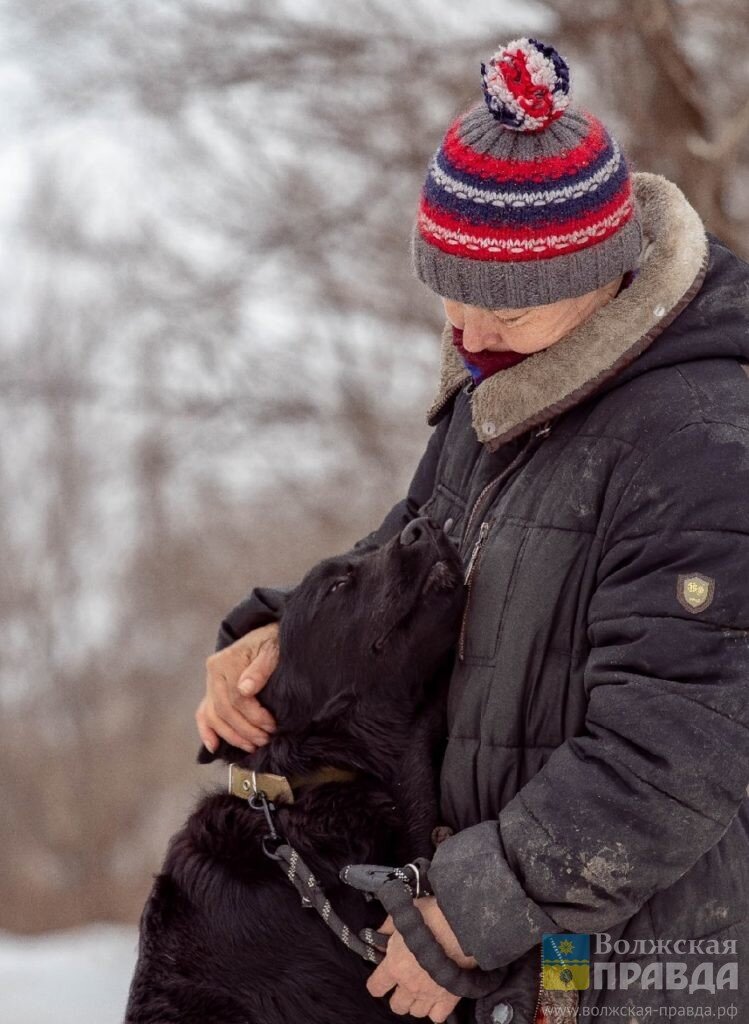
672, 268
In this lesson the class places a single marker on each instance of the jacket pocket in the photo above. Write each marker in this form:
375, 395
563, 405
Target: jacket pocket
446, 508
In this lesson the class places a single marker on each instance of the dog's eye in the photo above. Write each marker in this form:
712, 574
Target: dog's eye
337, 584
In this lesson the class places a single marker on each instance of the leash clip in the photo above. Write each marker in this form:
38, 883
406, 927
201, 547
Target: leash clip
371, 878
260, 802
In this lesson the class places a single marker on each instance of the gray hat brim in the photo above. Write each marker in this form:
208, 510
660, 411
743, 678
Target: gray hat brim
498, 284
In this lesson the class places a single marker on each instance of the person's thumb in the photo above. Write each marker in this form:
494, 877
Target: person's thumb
260, 669
387, 927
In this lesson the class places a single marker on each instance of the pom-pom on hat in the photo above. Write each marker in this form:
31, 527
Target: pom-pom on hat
527, 201
526, 85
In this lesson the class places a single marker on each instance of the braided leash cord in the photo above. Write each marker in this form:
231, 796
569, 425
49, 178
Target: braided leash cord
396, 889
368, 944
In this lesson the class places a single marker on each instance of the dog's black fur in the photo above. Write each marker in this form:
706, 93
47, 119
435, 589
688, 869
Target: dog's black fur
365, 642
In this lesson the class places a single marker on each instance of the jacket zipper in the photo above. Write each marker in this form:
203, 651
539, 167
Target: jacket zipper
476, 505
468, 578
475, 553
485, 525
566, 1018
540, 987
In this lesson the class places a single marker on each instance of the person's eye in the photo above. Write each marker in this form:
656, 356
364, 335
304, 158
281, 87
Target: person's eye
512, 321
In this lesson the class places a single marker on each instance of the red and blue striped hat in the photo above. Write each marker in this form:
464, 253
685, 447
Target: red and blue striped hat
526, 201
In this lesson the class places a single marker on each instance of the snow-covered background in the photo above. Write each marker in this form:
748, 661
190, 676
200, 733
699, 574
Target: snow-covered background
214, 366
67, 977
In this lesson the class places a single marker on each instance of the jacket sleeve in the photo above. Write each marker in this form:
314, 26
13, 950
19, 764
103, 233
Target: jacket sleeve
265, 604
623, 810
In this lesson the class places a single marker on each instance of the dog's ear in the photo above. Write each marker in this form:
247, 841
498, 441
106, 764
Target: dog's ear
339, 705
205, 756
223, 750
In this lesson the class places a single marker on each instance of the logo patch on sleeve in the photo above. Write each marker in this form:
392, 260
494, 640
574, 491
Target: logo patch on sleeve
695, 591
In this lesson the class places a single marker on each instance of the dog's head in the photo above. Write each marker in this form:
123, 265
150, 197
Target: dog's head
362, 636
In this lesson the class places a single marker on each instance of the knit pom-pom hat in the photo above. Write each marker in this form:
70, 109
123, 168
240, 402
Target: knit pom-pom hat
526, 201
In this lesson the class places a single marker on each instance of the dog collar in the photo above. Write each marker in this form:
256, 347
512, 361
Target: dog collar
245, 783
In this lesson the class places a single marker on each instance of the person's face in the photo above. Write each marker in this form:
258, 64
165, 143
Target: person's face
524, 330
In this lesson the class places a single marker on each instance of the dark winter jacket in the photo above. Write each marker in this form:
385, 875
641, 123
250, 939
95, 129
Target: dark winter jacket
598, 750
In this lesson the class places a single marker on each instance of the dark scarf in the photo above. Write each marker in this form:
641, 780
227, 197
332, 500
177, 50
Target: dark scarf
483, 364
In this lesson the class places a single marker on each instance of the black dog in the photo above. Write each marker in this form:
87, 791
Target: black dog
364, 642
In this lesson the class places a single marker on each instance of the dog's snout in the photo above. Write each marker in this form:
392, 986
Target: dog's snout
416, 530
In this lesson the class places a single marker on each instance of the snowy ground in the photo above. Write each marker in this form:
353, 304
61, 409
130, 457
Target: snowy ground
73, 977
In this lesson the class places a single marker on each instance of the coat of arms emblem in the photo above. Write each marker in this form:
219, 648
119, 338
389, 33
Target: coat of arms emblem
695, 591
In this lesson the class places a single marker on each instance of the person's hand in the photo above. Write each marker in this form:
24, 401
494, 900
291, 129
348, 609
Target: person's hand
416, 993
230, 709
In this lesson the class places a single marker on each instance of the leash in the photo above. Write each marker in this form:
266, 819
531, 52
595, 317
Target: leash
395, 888
368, 944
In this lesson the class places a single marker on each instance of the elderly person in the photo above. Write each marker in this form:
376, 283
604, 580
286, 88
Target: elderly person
590, 458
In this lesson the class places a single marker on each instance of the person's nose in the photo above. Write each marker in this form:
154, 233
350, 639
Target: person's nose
472, 341
477, 334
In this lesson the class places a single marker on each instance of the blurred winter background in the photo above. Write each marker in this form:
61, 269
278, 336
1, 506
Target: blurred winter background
215, 366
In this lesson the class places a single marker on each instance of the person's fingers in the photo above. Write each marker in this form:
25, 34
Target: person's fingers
420, 1008
235, 715
226, 717
401, 1001
228, 732
380, 981
253, 678
387, 927
208, 737
224, 712
228, 663
255, 713
442, 1009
